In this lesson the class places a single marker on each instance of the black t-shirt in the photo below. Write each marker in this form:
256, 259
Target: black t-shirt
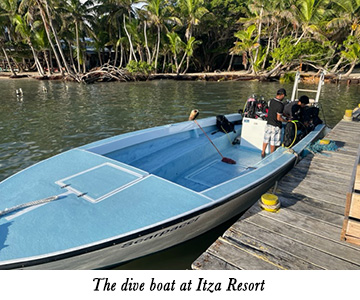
288, 109
293, 110
275, 107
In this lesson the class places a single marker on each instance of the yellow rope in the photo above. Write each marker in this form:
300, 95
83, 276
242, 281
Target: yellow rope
293, 142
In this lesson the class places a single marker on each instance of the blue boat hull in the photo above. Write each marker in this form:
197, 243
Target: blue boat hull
132, 195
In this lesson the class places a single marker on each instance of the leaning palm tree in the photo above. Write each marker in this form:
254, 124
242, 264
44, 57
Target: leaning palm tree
27, 5
25, 31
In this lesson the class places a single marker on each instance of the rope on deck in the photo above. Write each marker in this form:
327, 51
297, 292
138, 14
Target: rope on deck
317, 147
28, 204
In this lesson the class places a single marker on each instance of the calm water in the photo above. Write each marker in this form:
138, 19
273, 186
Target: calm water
52, 117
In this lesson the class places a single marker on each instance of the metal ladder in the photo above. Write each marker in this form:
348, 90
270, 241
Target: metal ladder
296, 89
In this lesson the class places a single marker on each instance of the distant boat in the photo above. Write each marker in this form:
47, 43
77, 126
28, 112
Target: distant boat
134, 194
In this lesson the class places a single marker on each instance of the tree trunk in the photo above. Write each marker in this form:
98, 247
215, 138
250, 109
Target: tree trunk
259, 32
157, 47
84, 62
116, 54
121, 55
100, 58
148, 54
164, 64
352, 66
299, 39
36, 59
47, 61
72, 57
187, 64
8, 61
335, 68
132, 52
277, 67
56, 38
78, 46
267, 53
46, 26
180, 64
51, 63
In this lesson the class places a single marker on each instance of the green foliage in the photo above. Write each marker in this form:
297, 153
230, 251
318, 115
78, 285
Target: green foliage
288, 77
309, 50
285, 33
246, 41
139, 67
352, 49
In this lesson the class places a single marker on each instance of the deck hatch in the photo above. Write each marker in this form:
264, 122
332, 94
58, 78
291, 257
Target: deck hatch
100, 182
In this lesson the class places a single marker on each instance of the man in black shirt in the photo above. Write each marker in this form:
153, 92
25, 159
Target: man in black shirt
294, 109
274, 122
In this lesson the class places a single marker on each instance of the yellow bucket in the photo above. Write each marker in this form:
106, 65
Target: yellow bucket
348, 113
270, 202
269, 199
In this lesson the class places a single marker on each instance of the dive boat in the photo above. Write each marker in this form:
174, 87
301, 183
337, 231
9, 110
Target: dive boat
135, 194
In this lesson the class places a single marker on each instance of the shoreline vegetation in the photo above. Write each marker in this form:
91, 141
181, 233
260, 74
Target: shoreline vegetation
101, 75
89, 41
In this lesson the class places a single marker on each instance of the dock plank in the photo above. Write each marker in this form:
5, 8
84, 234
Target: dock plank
237, 256
337, 249
264, 249
305, 233
305, 256
216, 263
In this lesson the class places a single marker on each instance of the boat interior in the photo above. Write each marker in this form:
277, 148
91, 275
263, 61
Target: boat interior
189, 159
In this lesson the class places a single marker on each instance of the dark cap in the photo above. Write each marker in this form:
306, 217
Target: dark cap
304, 99
281, 92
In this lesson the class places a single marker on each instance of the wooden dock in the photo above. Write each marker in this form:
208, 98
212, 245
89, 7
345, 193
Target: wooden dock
305, 234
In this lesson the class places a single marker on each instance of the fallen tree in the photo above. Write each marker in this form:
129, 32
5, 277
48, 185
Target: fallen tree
104, 73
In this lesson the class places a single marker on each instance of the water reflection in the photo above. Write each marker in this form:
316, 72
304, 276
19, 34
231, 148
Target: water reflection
54, 116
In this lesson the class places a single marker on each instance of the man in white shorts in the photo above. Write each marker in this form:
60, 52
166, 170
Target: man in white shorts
272, 134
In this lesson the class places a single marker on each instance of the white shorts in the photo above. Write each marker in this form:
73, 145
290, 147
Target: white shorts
272, 135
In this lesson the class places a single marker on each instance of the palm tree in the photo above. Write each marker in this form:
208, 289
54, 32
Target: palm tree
25, 31
192, 11
27, 5
8, 10
157, 13
127, 6
44, 46
176, 46
347, 17
79, 12
310, 13
246, 43
189, 51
